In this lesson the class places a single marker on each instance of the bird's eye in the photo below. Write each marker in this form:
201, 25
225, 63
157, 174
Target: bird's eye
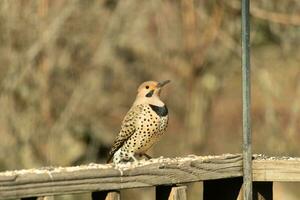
147, 87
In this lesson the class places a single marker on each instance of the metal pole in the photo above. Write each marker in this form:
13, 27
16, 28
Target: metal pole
247, 150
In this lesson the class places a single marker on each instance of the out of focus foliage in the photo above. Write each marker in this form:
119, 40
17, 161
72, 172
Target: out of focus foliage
69, 70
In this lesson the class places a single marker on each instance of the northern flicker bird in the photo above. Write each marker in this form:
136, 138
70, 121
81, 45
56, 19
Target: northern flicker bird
143, 124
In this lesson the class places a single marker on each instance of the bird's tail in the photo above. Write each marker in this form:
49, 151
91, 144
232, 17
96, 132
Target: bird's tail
110, 155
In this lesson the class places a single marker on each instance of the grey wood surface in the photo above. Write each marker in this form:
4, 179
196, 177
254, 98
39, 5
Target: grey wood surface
54, 181
284, 169
96, 177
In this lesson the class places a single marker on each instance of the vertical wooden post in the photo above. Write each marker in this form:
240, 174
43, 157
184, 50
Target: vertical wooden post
262, 190
222, 188
247, 137
106, 195
171, 193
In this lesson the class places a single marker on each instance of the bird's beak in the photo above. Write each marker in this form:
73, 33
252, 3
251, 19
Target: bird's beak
163, 83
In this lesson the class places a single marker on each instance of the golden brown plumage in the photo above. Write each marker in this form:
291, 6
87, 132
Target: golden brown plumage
127, 129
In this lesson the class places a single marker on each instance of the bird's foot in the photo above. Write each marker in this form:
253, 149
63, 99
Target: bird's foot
133, 158
147, 156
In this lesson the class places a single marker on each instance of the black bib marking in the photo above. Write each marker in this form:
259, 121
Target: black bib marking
160, 111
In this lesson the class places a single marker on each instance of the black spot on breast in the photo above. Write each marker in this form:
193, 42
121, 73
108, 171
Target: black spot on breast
160, 111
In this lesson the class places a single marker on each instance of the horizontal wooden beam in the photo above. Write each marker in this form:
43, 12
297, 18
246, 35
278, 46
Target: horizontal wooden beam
97, 177
154, 172
276, 169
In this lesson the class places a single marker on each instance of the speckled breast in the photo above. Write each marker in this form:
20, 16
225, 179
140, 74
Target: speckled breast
152, 123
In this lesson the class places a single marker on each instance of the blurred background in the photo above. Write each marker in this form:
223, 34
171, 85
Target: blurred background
69, 70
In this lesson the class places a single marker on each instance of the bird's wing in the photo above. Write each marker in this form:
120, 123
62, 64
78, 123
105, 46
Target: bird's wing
128, 127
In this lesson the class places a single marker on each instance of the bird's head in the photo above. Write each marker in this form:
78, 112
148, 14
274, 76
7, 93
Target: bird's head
149, 92
151, 89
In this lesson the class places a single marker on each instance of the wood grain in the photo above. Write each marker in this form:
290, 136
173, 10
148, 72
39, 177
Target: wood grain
105, 177
276, 169
95, 177
178, 193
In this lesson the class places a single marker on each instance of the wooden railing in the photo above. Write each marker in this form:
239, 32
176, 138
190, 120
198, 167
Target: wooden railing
221, 176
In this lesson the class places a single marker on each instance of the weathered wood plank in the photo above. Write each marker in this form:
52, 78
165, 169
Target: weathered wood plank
178, 193
171, 192
276, 169
222, 189
262, 190
91, 178
94, 177
106, 195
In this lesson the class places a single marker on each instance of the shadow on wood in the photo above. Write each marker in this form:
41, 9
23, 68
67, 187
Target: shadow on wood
171, 193
106, 195
262, 190
226, 189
